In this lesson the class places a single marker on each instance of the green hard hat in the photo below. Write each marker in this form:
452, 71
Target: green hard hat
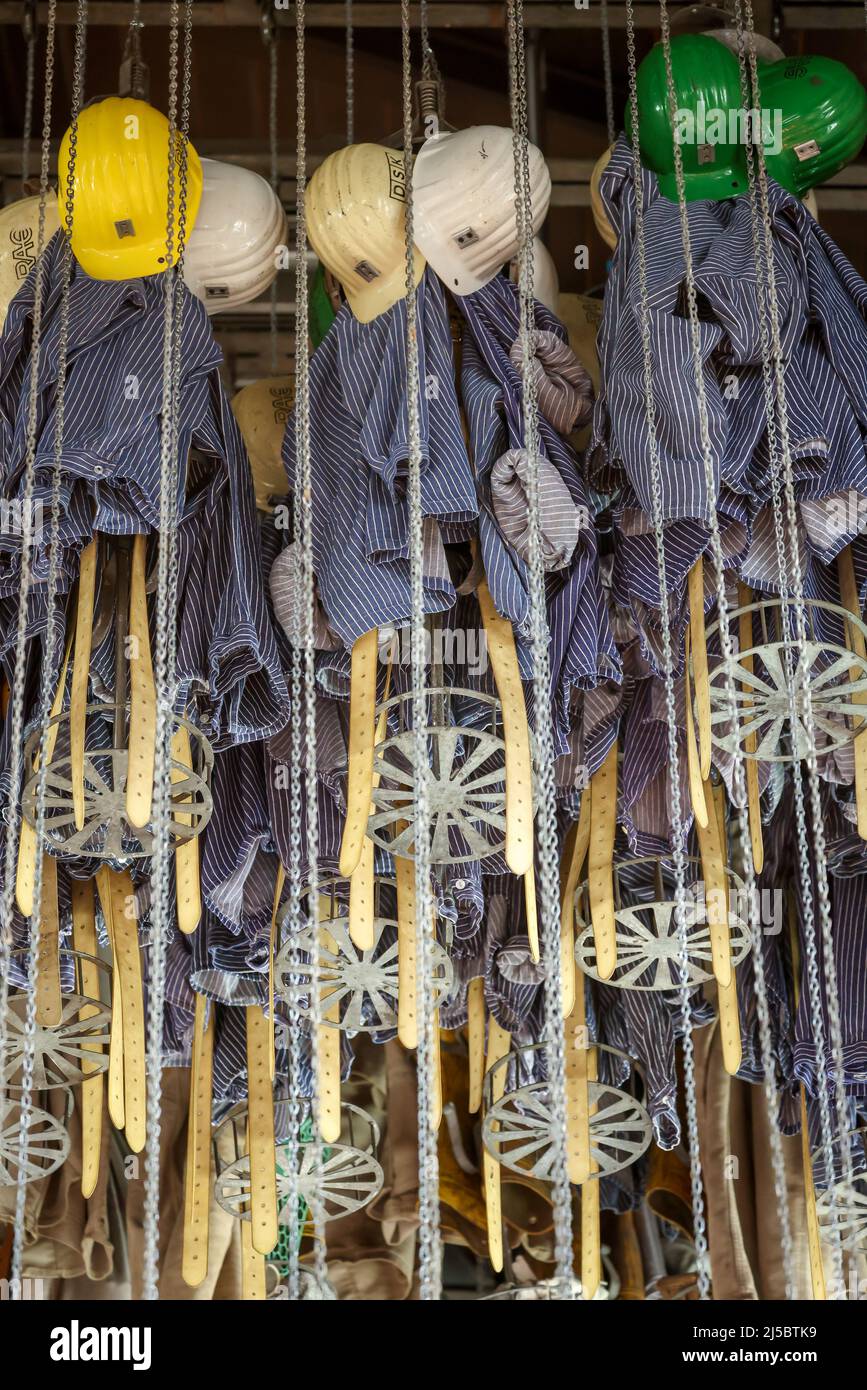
320, 309
819, 110
708, 118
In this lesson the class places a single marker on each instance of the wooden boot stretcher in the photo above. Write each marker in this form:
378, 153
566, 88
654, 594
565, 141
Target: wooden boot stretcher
851, 599
814, 1235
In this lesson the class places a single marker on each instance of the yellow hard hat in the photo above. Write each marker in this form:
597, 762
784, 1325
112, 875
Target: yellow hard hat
603, 226
120, 209
262, 410
356, 221
19, 230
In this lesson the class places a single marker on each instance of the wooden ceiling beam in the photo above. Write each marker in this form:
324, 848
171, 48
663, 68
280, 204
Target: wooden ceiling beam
453, 14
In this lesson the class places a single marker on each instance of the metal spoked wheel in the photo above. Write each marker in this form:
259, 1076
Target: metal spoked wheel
106, 833
363, 983
75, 1047
517, 1128
344, 1177
466, 785
762, 695
850, 1199
47, 1145
647, 935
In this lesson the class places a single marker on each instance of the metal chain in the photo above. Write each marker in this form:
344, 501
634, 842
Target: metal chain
11, 812
161, 923
350, 76
304, 500
543, 763
606, 68
430, 1250
724, 628
270, 34
31, 32
49, 663
789, 566
762, 249
668, 664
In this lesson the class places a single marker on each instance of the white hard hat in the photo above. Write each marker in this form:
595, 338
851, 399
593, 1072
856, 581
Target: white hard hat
356, 221
464, 203
19, 230
262, 410
231, 253
546, 282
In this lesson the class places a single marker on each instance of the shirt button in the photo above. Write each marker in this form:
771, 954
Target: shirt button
460, 883
98, 468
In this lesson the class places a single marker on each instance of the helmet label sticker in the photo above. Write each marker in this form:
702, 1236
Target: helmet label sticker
808, 150
465, 238
216, 291
367, 271
396, 177
706, 154
124, 228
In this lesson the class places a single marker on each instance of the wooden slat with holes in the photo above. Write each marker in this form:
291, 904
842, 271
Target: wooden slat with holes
600, 871
499, 1042
577, 1092
115, 1048
92, 1087
696, 785
142, 695
362, 734
128, 957
197, 1188
503, 657
407, 987
851, 599
727, 995
751, 767
49, 1001
699, 664
25, 875
329, 1047
187, 877
476, 1042
81, 676
574, 854
713, 858
591, 1244
814, 1233
260, 1133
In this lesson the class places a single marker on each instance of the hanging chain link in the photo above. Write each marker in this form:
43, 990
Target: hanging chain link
50, 648
31, 35
668, 663
11, 813
800, 700
304, 499
430, 1251
724, 628
165, 674
350, 76
543, 763
271, 33
610, 124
